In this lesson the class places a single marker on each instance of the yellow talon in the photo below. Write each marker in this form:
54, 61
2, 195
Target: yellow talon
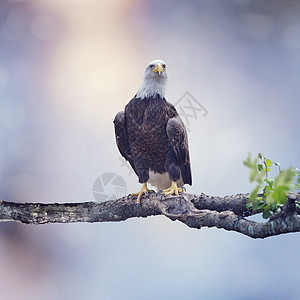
173, 189
144, 190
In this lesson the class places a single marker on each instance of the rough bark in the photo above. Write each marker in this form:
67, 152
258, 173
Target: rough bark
195, 211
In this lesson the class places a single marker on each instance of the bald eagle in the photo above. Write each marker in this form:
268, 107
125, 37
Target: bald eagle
151, 136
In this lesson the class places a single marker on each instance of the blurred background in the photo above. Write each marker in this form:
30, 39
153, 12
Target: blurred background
67, 67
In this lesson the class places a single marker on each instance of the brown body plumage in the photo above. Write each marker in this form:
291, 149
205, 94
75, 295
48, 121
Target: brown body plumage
152, 137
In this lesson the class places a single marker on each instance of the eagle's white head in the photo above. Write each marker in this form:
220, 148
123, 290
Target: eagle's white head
155, 80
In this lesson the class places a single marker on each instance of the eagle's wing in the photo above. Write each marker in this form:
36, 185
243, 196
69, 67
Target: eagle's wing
178, 141
121, 138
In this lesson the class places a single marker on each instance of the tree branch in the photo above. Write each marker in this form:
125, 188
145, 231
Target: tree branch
195, 211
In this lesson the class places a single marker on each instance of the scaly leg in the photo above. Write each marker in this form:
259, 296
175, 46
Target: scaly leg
144, 190
173, 189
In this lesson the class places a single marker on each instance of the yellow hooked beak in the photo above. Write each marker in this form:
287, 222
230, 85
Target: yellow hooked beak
158, 68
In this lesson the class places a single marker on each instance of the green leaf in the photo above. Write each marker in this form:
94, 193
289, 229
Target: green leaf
266, 214
295, 186
269, 181
260, 205
260, 155
260, 167
273, 206
267, 169
268, 163
268, 189
249, 205
257, 206
285, 177
281, 187
253, 174
253, 195
248, 162
279, 194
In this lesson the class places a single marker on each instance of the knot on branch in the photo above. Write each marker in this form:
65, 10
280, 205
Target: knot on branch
290, 205
289, 209
177, 206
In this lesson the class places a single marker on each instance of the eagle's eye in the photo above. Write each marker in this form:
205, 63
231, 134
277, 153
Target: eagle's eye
151, 66
164, 66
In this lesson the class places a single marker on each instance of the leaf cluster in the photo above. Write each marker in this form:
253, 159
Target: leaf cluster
274, 189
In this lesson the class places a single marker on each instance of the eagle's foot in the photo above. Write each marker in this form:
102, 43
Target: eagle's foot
144, 190
173, 189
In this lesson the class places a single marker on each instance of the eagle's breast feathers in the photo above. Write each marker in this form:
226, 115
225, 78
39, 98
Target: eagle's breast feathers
150, 129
